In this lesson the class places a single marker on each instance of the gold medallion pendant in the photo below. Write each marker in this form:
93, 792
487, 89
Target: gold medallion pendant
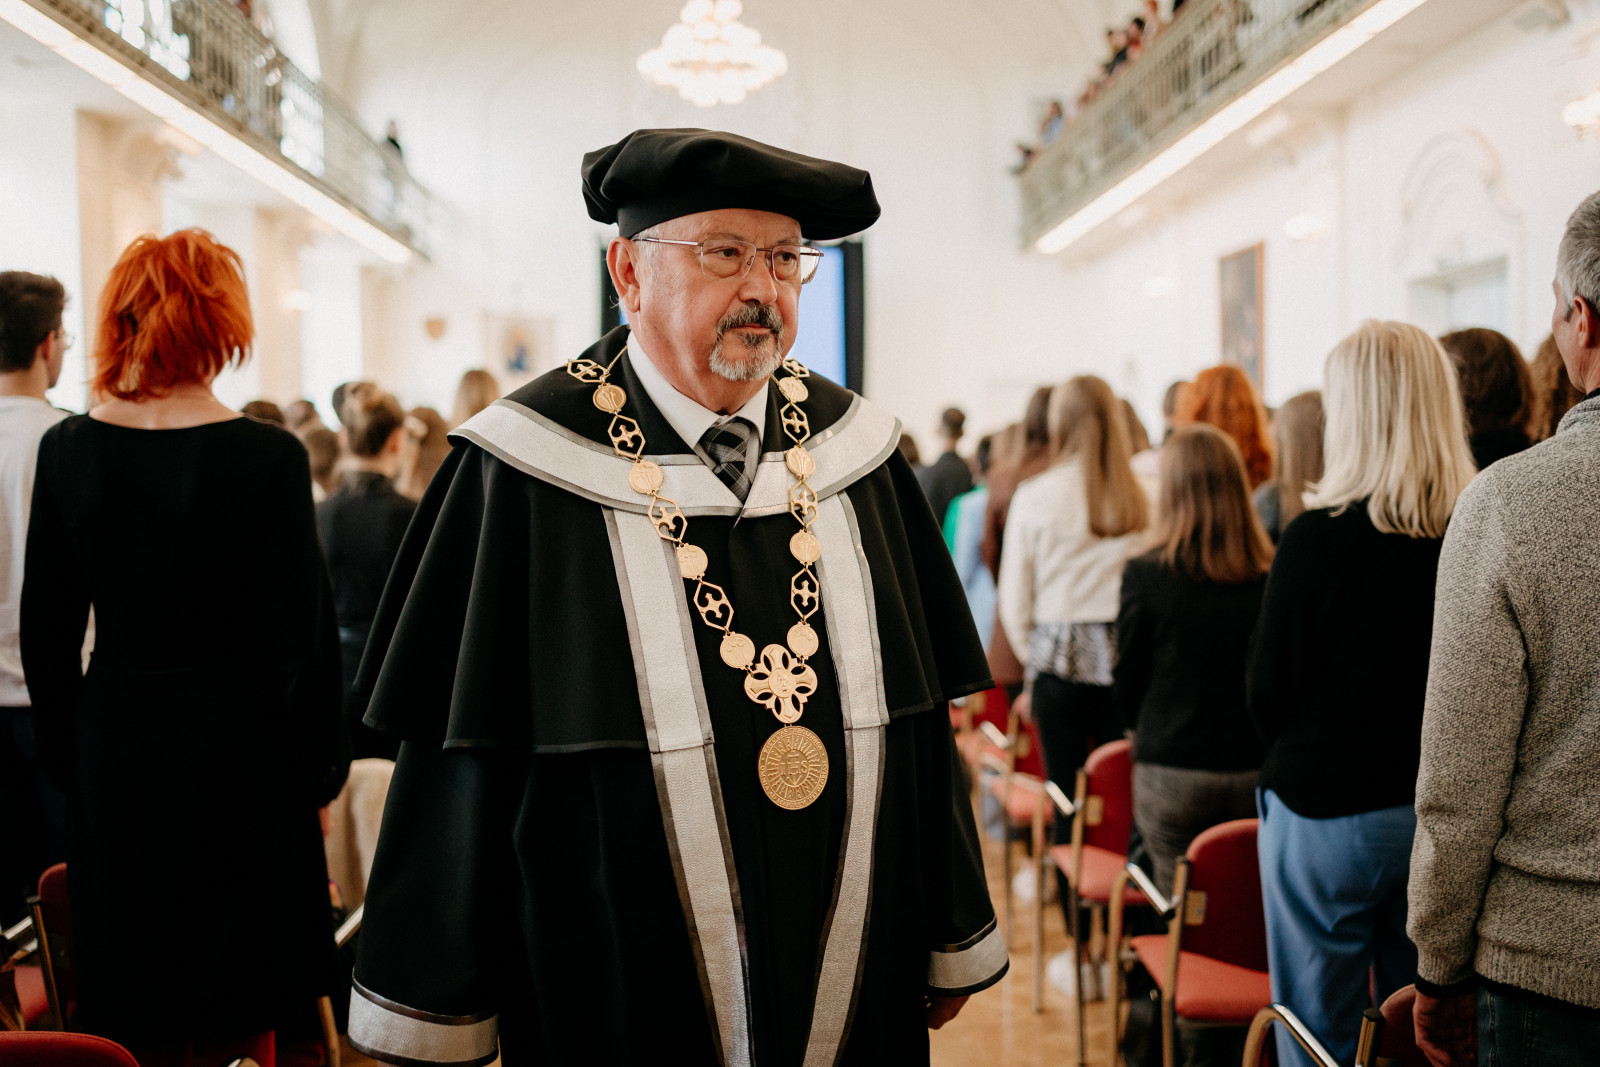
793, 767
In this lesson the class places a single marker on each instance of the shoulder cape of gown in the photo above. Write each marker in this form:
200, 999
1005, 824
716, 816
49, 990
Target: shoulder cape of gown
577, 856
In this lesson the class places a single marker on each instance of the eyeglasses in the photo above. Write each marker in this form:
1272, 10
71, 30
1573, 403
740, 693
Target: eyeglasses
65, 338
722, 257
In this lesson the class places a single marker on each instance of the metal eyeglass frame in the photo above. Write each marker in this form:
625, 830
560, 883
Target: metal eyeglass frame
813, 254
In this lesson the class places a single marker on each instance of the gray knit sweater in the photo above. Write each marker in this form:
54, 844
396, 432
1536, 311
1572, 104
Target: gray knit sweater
1505, 873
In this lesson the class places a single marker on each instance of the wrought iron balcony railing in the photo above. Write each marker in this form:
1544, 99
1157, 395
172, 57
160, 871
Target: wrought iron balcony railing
1212, 53
206, 53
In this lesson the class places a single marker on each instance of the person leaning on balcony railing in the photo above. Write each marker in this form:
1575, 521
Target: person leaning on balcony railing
1505, 874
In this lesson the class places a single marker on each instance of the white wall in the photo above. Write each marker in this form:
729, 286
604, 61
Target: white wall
39, 229
1462, 159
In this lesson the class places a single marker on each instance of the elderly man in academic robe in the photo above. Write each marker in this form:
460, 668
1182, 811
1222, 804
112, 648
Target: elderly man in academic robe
668, 649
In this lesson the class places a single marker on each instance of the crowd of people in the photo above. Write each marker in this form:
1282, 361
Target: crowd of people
1364, 618
1124, 46
233, 561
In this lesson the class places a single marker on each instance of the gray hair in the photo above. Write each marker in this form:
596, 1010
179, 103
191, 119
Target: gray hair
1578, 259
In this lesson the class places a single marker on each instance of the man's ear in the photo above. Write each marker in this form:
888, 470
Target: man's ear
42, 353
1588, 325
622, 260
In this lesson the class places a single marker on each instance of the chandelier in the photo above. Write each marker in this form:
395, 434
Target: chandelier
711, 57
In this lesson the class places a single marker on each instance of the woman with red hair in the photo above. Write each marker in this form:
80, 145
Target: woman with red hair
1222, 396
206, 733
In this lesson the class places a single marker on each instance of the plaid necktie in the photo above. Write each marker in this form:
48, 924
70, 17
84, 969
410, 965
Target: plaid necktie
727, 444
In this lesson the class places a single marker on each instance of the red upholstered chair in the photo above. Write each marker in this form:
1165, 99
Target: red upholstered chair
1101, 810
1398, 1040
54, 1049
1013, 756
1255, 1045
1211, 964
52, 924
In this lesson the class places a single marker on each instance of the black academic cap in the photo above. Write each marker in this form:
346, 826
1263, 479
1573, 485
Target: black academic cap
651, 176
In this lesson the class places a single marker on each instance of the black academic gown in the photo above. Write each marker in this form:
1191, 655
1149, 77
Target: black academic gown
537, 875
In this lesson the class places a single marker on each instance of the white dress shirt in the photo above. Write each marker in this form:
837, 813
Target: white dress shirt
23, 421
689, 418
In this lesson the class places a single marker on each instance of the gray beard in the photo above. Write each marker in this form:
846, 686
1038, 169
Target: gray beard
761, 354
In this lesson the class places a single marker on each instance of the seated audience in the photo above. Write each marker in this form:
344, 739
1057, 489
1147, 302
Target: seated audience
1223, 396
1296, 462
360, 527
1495, 388
196, 751
426, 444
1188, 607
1553, 393
32, 344
1505, 876
476, 391
948, 476
1336, 680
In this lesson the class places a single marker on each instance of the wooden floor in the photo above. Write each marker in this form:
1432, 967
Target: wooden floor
998, 1026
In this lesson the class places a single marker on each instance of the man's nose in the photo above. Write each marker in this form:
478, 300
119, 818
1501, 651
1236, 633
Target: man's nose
759, 286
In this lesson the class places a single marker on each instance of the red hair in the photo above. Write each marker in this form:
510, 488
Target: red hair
174, 310
1223, 397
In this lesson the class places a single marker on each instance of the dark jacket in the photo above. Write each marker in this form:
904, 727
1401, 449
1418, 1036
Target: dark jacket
1179, 679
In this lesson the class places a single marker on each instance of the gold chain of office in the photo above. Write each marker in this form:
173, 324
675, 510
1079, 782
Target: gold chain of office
793, 764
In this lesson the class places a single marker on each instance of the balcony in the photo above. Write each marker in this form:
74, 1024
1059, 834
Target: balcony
211, 73
1214, 68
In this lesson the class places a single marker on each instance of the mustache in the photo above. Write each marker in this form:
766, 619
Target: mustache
763, 315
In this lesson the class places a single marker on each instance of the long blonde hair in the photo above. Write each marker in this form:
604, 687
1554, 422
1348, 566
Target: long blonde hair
1396, 430
478, 389
1086, 423
1297, 429
1205, 526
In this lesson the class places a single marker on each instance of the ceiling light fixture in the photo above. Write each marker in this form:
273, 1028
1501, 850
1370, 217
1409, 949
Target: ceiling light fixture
711, 57
1232, 118
200, 127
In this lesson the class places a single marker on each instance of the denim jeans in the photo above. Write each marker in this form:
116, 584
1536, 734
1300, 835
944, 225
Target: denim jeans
1334, 891
1518, 1031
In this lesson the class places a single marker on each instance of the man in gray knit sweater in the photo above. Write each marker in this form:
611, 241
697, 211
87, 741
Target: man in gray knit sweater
1505, 871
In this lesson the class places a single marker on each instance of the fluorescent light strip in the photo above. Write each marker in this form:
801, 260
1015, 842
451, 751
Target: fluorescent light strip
162, 104
1235, 116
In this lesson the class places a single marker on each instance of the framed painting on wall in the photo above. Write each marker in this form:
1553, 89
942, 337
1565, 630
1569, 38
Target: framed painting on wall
1241, 295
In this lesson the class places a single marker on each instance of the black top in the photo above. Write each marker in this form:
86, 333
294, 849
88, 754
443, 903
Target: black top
1179, 679
206, 732
1339, 665
524, 826
943, 480
1493, 445
361, 527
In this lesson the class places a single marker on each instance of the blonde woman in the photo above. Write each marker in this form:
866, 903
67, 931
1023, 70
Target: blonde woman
1296, 462
1337, 677
477, 390
1068, 533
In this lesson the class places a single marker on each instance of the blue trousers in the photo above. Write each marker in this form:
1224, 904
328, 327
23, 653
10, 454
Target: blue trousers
1335, 897
1528, 1032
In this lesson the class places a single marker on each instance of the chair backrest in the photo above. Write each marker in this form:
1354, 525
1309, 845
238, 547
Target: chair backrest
1108, 800
56, 914
1399, 1040
49, 1048
1222, 912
